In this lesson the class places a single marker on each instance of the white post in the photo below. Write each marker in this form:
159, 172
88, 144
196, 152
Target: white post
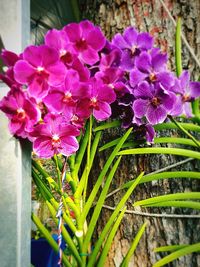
15, 162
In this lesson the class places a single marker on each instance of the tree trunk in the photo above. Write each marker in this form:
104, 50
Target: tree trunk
150, 15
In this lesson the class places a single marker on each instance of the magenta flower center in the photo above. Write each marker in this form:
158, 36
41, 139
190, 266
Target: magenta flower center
74, 118
55, 140
42, 72
67, 97
93, 102
62, 52
81, 44
21, 114
155, 101
66, 56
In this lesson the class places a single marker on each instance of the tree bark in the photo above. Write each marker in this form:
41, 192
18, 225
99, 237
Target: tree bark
149, 15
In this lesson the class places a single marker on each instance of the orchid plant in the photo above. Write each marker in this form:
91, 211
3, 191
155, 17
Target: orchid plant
64, 93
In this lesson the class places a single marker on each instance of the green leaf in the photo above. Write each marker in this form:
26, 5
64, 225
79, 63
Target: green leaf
81, 152
178, 59
80, 187
110, 222
136, 240
176, 140
177, 254
98, 207
162, 150
169, 197
196, 109
102, 176
49, 238
170, 248
107, 125
179, 204
171, 126
109, 240
164, 175
180, 127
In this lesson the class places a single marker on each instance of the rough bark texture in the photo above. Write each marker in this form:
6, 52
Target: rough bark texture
149, 15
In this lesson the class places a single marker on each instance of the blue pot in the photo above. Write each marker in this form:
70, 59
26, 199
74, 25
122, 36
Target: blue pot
42, 255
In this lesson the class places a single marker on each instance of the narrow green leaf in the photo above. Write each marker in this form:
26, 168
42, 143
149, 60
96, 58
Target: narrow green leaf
107, 125
102, 175
178, 59
196, 109
44, 190
110, 222
169, 197
131, 250
170, 125
98, 207
170, 248
80, 187
75, 9
49, 238
109, 144
176, 140
81, 152
165, 175
109, 240
180, 127
179, 204
162, 150
177, 254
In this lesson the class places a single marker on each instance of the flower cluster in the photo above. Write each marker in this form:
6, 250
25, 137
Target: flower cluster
77, 72
152, 90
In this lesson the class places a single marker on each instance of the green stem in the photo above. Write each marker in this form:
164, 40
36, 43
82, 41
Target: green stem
58, 171
88, 161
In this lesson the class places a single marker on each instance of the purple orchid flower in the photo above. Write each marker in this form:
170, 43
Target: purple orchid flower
87, 40
154, 103
55, 136
39, 69
110, 60
152, 68
186, 93
131, 43
21, 112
